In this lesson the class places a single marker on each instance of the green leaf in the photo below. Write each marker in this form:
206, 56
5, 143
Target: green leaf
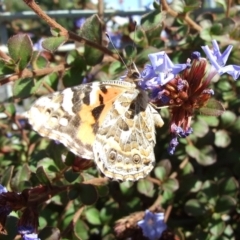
192, 151
212, 121
142, 57
7, 177
24, 88
51, 44
92, 30
73, 194
38, 61
167, 198
236, 127
49, 233
88, 194
191, 6
73, 76
71, 176
23, 174
167, 165
115, 68
212, 108
207, 156
224, 86
81, 230
200, 128
140, 38
228, 186
10, 109
92, 56
129, 52
153, 20
12, 231
228, 118
145, 187
103, 190
6, 67
70, 159
152, 24
225, 204
216, 227
20, 49
208, 193
190, 183
42, 176
222, 139
49, 166
93, 216
160, 173
194, 208
171, 184
126, 188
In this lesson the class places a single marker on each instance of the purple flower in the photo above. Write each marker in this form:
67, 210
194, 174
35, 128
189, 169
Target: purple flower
79, 22
161, 71
152, 225
5, 209
172, 145
2, 189
27, 232
38, 45
184, 88
31, 236
218, 60
25, 229
115, 39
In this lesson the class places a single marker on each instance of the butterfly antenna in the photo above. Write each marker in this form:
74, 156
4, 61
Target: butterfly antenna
134, 36
116, 50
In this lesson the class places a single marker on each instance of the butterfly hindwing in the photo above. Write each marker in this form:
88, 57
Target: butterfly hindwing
124, 143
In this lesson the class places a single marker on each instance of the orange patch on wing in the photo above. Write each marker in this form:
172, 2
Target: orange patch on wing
108, 99
111, 94
85, 131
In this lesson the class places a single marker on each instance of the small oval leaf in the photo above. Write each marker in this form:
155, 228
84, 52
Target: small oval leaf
20, 49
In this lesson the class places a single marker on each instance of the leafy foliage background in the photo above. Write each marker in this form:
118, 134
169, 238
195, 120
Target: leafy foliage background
197, 188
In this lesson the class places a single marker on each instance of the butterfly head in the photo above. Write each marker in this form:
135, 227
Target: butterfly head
133, 75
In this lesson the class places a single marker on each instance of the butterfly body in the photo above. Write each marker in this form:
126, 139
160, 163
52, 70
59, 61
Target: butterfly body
110, 122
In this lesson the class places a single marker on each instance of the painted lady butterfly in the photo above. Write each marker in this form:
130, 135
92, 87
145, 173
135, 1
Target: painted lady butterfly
111, 122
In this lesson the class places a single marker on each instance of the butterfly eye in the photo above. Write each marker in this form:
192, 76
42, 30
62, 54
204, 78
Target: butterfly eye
135, 75
136, 158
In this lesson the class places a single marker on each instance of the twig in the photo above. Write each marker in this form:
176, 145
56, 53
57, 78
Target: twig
156, 205
185, 17
73, 222
64, 32
229, 3
168, 212
154, 180
29, 74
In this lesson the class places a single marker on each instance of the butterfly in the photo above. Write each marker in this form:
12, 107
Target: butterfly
111, 122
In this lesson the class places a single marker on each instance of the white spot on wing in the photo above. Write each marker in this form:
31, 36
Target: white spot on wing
67, 103
47, 103
63, 122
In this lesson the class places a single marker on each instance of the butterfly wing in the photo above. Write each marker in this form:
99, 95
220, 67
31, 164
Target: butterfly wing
123, 148
74, 115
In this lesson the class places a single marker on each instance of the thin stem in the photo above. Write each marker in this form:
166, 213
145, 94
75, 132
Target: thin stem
185, 17
229, 3
29, 74
64, 32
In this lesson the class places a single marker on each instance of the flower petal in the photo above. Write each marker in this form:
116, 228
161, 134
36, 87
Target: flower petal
232, 70
160, 61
